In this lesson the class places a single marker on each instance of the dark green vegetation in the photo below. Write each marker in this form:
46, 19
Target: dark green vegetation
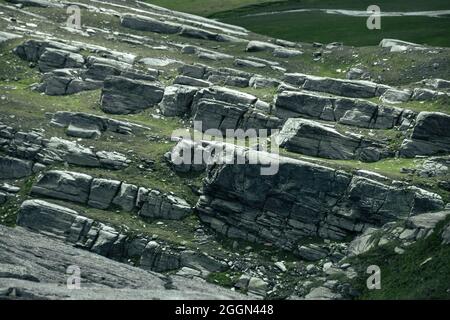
323, 27
422, 272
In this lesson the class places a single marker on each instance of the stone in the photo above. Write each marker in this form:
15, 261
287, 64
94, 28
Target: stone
126, 197
64, 185
145, 23
256, 46
341, 87
396, 96
322, 293
40, 275
398, 45
159, 259
102, 193
286, 53
314, 139
355, 112
312, 252
201, 262
188, 81
248, 63
123, 96
52, 59
259, 82
257, 286
57, 149
13, 168
112, 160
31, 50
194, 71
45, 217
158, 205
280, 265
430, 135
421, 94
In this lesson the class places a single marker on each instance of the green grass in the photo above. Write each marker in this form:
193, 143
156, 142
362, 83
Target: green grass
205, 7
404, 276
322, 27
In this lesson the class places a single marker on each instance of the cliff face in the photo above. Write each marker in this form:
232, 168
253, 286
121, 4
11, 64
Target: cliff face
303, 200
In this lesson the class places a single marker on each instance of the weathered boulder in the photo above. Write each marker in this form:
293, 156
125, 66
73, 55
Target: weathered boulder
177, 100
312, 252
51, 59
193, 70
355, 112
255, 46
145, 23
85, 125
248, 63
399, 46
156, 204
188, 81
31, 50
286, 53
159, 258
340, 87
102, 193
13, 168
122, 96
126, 197
258, 82
430, 135
315, 139
396, 96
63, 185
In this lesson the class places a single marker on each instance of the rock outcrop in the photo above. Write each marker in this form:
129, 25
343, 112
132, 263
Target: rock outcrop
123, 96
302, 200
430, 136
315, 139
27, 275
221, 108
89, 126
355, 112
340, 87
104, 194
69, 225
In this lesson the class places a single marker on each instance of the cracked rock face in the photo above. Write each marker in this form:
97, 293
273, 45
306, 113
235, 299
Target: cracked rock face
24, 274
302, 200
430, 136
315, 139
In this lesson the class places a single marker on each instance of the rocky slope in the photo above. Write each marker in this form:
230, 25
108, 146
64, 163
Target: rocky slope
93, 134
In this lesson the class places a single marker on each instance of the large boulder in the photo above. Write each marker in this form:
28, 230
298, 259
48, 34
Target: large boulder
31, 50
13, 168
63, 185
156, 204
145, 23
123, 96
315, 139
354, 112
430, 135
340, 87
102, 193
52, 59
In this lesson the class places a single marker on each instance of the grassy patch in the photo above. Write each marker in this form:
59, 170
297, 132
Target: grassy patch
408, 276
